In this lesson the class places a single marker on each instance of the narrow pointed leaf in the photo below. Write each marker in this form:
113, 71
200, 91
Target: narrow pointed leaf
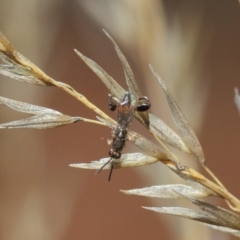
131, 82
224, 229
132, 85
185, 213
168, 191
165, 133
26, 107
148, 147
204, 218
226, 217
185, 131
126, 161
42, 121
20, 74
110, 83
237, 98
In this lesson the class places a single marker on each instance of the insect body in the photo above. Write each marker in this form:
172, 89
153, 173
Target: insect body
125, 113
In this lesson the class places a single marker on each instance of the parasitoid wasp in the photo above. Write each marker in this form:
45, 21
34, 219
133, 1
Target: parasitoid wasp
125, 113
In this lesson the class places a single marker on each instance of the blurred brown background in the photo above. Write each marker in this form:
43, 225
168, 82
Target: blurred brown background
195, 47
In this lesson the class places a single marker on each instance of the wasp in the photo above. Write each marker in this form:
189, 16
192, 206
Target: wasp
125, 112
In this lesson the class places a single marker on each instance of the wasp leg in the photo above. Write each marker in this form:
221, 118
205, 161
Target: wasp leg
109, 141
112, 105
110, 174
133, 137
103, 166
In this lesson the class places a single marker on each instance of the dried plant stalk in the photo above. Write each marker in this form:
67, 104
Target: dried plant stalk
19, 68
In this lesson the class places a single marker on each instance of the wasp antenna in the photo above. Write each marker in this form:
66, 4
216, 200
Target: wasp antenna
110, 174
103, 166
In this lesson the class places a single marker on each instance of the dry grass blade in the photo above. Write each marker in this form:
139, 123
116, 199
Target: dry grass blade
161, 130
197, 179
224, 229
109, 82
131, 82
185, 131
205, 218
19, 73
42, 121
45, 117
25, 107
169, 191
237, 98
225, 217
18, 67
126, 161
185, 213
148, 147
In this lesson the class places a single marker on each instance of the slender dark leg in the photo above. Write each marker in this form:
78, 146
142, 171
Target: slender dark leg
103, 166
112, 105
110, 174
